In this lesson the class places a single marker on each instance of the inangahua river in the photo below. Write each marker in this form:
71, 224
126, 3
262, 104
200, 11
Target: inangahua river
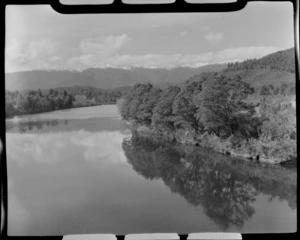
83, 171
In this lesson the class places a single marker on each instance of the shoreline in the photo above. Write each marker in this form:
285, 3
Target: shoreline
171, 137
62, 109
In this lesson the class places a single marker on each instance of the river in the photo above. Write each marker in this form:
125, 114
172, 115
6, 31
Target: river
82, 171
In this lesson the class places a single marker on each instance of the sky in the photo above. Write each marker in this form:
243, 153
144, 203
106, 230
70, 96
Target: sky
37, 37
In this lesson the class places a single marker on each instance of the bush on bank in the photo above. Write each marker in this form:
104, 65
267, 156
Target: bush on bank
215, 112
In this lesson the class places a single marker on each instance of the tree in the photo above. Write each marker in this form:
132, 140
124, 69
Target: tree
265, 90
80, 100
184, 108
10, 110
148, 101
283, 88
132, 101
36, 101
163, 116
21, 104
222, 109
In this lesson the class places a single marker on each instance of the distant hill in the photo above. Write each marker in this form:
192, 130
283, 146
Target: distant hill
105, 78
259, 77
274, 69
281, 61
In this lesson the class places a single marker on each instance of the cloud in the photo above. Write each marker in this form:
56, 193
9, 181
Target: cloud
103, 52
98, 49
243, 53
55, 58
105, 45
214, 38
27, 55
49, 54
31, 50
159, 60
41, 48
188, 60
101, 146
206, 28
182, 34
158, 20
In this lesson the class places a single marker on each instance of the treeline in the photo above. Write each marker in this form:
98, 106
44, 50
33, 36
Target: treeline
282, 61
44, 100
282, 89
213, 112
213, 104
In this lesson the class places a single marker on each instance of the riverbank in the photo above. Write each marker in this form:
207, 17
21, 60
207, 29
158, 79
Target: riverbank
68, 114
253, 150
48, 111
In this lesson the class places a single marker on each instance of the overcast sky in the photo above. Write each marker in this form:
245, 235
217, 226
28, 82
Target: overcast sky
37, 37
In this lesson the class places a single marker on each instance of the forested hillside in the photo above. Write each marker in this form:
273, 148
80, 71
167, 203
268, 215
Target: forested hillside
281, 61
248, 111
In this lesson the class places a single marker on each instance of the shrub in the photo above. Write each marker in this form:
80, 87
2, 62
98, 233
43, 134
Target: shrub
213, 142
186, 135
282, 149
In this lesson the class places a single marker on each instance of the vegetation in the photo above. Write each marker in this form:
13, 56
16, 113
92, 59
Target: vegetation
36, 101
224, 189
282, 61
228, 111
216, 111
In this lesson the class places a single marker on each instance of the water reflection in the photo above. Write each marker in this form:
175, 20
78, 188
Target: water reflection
224, 187
19, 216
25, 126
54, 147
39, 125
79, 175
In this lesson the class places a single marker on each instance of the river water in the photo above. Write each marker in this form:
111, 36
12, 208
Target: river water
83, 171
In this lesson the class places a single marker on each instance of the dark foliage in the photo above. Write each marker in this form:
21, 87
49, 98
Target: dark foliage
139, 103
36, 101
221, 112
282, 61
214, 103
282, 89
221, 107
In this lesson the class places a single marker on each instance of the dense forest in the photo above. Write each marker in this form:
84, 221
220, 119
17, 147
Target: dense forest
44, 100
219, 112
282, 61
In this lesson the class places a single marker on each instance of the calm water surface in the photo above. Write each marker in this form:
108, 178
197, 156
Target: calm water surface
82, 171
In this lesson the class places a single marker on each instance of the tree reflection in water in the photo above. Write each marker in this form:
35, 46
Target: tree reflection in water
223, 186
25, 126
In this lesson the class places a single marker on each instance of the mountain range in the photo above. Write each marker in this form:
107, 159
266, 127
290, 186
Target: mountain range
272, 69
105, 78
